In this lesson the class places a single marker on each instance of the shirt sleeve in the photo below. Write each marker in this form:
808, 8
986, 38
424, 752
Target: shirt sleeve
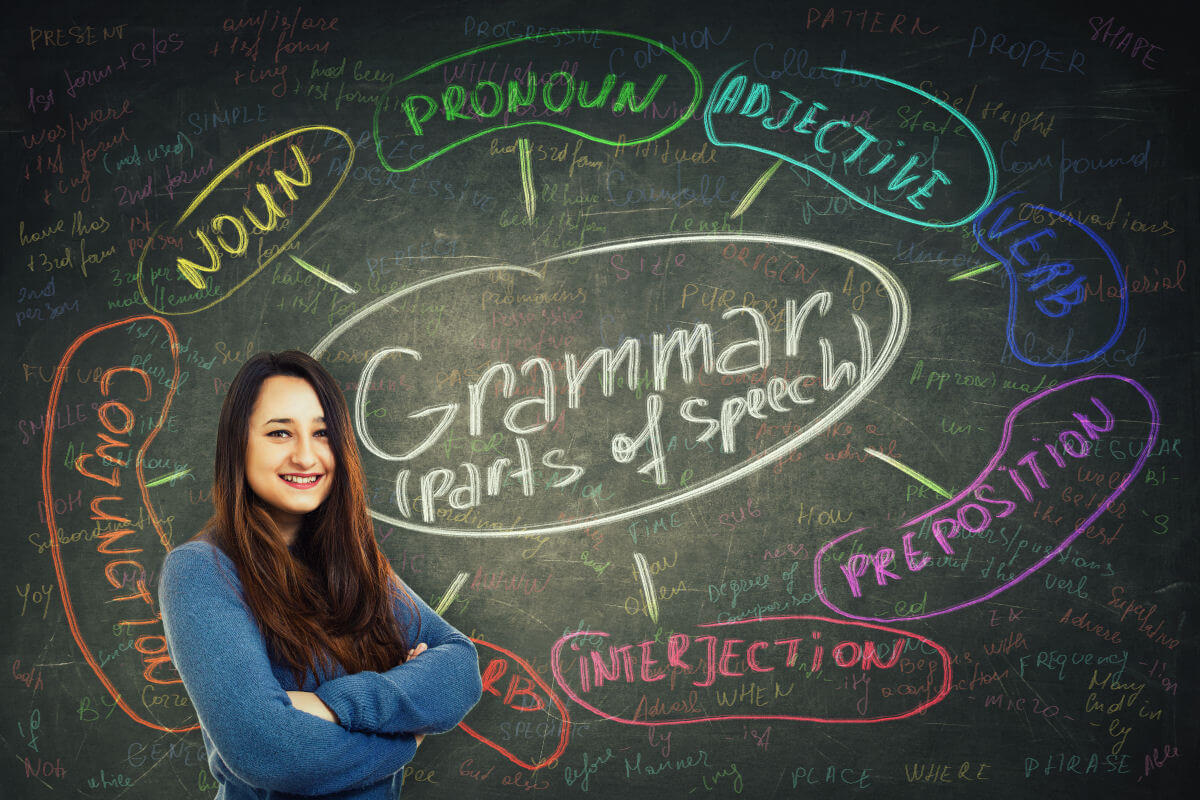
219, 652
427, 694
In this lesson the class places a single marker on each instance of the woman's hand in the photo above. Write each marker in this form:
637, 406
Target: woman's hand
309, 703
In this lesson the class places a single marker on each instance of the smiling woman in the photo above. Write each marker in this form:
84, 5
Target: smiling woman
289, 462
312, 668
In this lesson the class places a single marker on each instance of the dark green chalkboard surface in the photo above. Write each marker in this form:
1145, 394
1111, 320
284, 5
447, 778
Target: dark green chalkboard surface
787, 399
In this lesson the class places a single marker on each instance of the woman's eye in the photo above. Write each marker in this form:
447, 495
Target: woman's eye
322, 433
279, 434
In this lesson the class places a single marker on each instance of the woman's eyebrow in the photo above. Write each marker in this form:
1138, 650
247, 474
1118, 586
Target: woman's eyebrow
289, 420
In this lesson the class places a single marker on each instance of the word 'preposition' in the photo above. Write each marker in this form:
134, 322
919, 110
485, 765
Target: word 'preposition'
1018, 475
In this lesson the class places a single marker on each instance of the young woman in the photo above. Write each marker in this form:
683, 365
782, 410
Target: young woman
312, 668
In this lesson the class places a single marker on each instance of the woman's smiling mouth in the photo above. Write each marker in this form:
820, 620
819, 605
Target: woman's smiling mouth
300, 480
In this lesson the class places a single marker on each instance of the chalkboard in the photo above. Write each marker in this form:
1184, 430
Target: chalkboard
786, 399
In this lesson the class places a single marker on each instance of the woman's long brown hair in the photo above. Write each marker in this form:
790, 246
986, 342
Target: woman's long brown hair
331, 599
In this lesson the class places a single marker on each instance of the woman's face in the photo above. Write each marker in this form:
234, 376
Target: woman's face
289, 462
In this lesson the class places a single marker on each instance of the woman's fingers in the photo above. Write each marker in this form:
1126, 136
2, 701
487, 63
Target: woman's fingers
416, 651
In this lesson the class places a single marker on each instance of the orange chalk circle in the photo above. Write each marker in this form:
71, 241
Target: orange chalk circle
130, 394
525, 698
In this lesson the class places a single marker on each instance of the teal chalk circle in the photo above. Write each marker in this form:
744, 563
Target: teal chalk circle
993, 177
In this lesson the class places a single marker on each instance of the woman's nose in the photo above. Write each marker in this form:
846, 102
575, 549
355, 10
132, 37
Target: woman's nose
304, 454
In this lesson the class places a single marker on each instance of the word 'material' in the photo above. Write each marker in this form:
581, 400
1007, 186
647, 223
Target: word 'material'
1053, 283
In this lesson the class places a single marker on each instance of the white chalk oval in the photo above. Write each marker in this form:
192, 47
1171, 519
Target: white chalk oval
894, 301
